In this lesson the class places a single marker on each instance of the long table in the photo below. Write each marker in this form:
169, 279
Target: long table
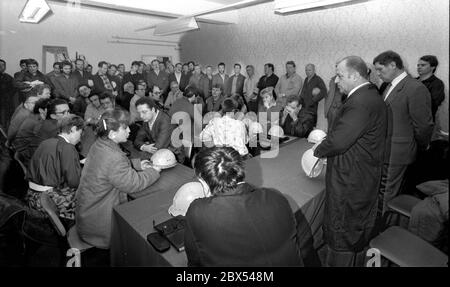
133, 221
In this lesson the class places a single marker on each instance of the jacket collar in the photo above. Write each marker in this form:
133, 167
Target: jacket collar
397, 89
242, 188
110, 144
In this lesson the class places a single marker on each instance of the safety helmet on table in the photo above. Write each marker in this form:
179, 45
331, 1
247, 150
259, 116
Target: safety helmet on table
312, 166
316, 136
187, 193
276, 131
163, 158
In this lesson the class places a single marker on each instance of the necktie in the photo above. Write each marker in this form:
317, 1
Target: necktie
385, 92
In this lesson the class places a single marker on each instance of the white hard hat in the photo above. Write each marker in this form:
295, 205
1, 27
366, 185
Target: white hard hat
163, 158
316, 136
187, 193
312, 166
276, 131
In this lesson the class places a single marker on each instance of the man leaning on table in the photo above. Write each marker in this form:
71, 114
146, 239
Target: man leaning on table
156, 132
354, 148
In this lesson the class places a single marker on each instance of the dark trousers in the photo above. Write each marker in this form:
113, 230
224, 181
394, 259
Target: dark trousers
392, 182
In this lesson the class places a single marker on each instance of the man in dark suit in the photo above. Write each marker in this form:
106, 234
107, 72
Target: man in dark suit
220, 78
237, 224
333, 101
82, 76
235, 84
178, 76
159, 78
410, 123
103, 82
156, 130
268, 80
354, 149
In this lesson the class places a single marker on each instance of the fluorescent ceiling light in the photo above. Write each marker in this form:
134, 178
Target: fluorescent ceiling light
176, 26
286, 6
34, 11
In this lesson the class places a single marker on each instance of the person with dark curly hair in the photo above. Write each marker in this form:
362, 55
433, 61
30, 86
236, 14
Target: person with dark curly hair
238, 224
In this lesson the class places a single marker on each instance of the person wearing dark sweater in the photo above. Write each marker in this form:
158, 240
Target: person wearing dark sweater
55, 168
237, 224
295, 120
426, 67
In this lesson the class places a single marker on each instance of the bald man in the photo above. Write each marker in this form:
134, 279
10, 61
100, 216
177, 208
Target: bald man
354, 148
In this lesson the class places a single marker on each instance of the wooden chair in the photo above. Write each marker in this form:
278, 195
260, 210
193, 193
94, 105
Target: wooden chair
408, 250
72, 236
22, 165
3, 134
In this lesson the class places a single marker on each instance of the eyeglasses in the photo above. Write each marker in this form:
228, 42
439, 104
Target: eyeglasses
65, 112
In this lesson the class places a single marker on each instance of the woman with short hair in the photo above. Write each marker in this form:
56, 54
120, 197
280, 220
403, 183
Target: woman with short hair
238, 224
108, 175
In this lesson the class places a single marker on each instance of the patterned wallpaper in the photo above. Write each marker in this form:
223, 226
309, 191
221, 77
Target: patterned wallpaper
410, 27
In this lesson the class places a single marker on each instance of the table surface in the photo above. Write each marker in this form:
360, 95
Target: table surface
282, 172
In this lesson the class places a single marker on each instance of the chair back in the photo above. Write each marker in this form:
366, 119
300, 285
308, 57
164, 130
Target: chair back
407, 250
18, 158
52, 211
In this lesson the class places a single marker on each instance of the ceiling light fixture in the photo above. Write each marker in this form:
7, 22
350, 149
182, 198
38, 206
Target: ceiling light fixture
287, 6
34, 11
176, 26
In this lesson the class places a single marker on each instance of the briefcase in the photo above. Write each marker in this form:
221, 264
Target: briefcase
173, 230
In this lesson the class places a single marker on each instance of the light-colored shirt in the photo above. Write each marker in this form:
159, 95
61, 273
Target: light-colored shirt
233, 85
395, 83
289, 86
178, 77
226, 131
357, 87
150, 124
250, 85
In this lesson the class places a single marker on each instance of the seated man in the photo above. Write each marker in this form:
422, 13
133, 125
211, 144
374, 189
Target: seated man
82, 101
127, 95
140, 91
295, 120
22, 112
214, 103
56, 111
238, 224
55, 168
174, 94
107, 101
94, 110
270, 110
156, 132
156, 94
26, 131
226, 130
25, 109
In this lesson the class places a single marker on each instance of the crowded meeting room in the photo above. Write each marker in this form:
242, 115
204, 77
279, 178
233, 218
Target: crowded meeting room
224, 133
